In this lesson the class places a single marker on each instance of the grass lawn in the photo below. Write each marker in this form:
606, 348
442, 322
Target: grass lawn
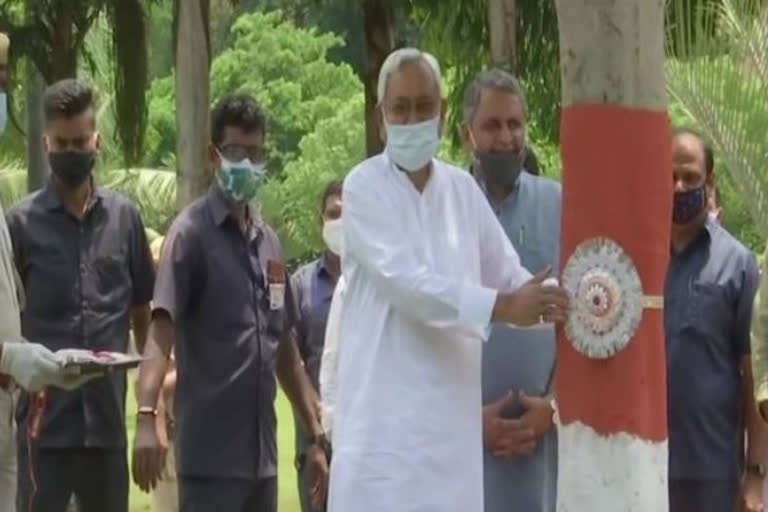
288, 499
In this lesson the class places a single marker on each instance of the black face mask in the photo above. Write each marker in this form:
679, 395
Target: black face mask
689, 204
500, 167
72, 168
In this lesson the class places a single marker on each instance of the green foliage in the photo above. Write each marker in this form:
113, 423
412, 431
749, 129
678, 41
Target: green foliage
153, 190
160, 39
161, 125
287, 70
466, 52
284, 67
720, 80
291, 203
13, 183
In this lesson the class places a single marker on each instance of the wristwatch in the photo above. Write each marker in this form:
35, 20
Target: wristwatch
757, 470
321, 441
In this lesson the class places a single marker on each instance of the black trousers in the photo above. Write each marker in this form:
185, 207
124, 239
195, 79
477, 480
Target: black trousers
97, 477
703, 495
198, 494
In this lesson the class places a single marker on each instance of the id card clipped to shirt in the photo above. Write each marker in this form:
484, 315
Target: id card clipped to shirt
276, 284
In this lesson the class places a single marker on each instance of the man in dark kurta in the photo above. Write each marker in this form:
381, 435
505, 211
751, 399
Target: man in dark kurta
86, 267
223, 301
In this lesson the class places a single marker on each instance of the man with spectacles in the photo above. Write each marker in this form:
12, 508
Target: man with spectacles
223, 303
85, 264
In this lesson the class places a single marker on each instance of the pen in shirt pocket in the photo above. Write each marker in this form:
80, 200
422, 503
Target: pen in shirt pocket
521, 241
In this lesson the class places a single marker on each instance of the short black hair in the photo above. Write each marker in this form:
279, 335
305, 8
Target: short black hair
236, 110
709, 154
333, 188
66, 99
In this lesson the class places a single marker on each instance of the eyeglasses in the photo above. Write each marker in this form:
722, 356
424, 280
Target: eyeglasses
238, 152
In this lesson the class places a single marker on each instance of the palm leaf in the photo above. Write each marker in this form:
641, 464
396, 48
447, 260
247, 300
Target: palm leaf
13, 183
720, 77
153, 190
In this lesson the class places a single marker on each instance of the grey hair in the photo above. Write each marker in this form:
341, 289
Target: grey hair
399, 58
496, 79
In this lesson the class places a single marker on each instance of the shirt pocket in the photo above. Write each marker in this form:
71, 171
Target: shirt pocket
111, 271
709, 313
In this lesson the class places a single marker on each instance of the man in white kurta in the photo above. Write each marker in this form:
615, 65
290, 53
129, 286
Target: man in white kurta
427, 268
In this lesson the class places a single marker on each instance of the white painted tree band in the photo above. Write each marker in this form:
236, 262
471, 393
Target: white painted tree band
617, 472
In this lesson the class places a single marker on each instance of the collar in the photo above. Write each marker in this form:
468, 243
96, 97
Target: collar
322, 268
702, 238
51, 198
403, 176
221, 208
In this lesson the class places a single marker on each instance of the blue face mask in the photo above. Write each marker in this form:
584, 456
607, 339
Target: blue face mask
412, 146
240, 181
689, 204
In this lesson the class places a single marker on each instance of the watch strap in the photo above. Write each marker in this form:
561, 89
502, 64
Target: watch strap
756, 469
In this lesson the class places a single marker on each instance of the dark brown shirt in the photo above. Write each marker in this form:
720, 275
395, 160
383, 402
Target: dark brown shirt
213, 282
81, 279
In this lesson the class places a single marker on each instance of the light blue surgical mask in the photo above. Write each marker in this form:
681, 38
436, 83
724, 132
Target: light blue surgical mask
412, 146
240, 181
3, 111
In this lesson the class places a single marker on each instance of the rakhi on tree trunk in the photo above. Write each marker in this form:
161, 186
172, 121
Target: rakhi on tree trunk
610, 382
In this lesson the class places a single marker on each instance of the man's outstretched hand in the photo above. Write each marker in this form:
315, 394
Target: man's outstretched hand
34, 367
536, 301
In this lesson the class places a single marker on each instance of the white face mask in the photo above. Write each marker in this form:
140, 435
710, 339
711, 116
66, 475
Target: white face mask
412, 146
3, 111
333, 236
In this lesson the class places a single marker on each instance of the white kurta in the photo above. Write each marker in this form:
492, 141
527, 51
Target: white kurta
421, 270
329, 361
10, 330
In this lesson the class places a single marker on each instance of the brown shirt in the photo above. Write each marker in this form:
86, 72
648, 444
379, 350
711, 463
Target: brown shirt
214, 283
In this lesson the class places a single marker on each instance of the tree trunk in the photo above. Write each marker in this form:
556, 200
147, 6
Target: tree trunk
192, 101
64, 60
616, 149
378, 16
502, 25
37, 163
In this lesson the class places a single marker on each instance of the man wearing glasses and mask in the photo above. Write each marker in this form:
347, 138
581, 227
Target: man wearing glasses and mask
520, 444
224, 304
85, 264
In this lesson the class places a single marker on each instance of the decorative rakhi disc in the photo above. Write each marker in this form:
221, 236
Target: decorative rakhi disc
607, 298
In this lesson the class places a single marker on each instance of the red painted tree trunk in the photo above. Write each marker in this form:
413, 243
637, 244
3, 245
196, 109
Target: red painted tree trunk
617, 195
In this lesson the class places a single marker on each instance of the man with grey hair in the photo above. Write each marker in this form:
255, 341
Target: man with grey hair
427, 268
520, 451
